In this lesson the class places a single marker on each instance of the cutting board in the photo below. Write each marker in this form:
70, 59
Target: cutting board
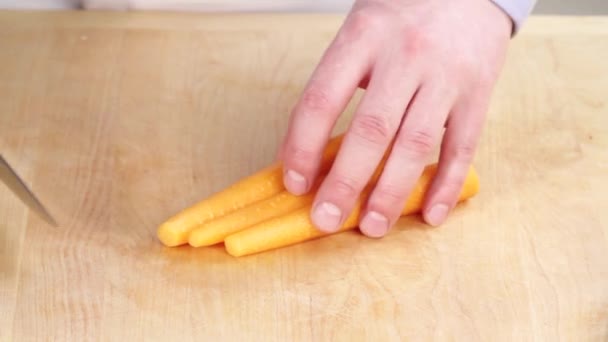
118, 121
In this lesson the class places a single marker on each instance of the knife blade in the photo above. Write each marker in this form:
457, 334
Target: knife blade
21, 190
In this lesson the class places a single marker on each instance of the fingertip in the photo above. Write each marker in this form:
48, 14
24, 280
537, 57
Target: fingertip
436, 214
374, 225
295, 182
300, 167
327, 217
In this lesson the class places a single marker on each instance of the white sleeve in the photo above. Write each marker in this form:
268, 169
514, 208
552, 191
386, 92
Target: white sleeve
518, 10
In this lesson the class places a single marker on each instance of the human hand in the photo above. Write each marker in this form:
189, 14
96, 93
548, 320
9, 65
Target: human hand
425, 65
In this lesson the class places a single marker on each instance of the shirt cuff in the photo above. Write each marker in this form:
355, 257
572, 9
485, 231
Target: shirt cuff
517, 10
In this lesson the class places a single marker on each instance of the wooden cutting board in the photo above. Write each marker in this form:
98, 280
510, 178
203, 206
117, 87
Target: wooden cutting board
117, 121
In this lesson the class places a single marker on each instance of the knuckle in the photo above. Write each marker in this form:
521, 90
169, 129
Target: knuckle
363, 20
415, 42
482, 78
372, 128
316, 100
344, 186
464, 67
420, 143
387, 196
463, 152
452, 186
299, 155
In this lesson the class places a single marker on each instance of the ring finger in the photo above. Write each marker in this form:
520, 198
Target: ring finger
420, 132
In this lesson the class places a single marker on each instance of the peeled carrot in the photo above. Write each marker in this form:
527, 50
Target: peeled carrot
297, 227
215, 231
257, 187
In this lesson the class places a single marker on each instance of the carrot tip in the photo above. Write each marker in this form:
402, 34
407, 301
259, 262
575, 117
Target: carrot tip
170, 238
232, 247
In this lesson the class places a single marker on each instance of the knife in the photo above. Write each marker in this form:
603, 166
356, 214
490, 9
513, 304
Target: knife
19, 188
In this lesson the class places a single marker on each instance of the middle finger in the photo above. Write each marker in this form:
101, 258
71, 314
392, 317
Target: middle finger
374, 125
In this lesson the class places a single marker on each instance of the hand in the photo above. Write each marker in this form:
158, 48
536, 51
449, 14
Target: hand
425, 65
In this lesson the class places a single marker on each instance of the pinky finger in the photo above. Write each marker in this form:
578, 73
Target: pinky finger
457, 153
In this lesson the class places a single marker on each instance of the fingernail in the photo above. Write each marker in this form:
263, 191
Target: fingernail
295, 182
374, 224
327, 217
437, 214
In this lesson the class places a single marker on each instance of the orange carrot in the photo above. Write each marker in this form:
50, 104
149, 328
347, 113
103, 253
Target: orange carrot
296, 227
259, 186
215, 231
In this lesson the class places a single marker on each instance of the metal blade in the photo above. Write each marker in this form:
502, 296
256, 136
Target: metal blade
19, 188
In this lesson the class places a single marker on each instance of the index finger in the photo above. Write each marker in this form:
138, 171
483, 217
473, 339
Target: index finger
328, 92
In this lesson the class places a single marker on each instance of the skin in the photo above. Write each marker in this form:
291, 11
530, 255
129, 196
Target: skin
429, 68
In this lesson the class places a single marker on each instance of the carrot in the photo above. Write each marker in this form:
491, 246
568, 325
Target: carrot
215, 231
259, 186
297, 227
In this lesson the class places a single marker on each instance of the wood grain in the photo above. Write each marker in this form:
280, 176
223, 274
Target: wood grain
119, 120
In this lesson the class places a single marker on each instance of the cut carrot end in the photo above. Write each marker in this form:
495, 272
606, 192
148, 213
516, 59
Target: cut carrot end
170, 238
